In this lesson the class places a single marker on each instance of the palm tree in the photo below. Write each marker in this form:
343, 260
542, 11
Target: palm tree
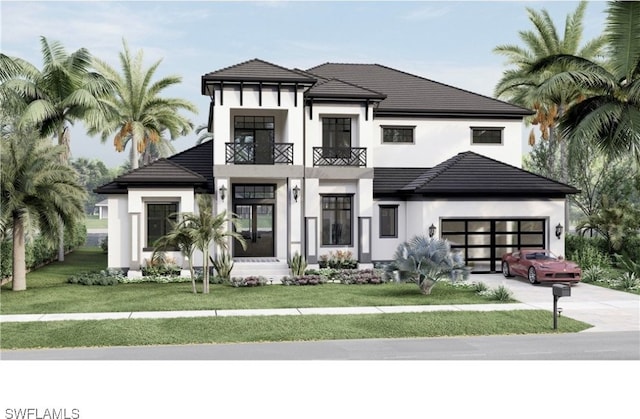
181, 238
37, 189
206, 229
425, 260
203, 134
154, 151
136, 114
64, 92
519, 85
610, 116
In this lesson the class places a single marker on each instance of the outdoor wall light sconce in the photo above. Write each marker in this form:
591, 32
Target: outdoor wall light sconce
223, 190
296, 192
432, 230
559, 230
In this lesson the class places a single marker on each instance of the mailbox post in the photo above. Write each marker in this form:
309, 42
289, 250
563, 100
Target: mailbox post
559, 290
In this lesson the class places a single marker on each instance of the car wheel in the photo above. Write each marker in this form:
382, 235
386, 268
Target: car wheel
533, 279
505, 270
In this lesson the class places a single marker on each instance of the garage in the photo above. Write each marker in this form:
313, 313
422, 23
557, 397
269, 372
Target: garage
483, 241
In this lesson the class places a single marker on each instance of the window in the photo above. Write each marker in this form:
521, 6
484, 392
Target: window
159, 218
336, 220
397, 134
254, 191
388, 221
336, 132
486, 135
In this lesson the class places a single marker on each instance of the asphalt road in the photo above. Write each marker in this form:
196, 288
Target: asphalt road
573, 346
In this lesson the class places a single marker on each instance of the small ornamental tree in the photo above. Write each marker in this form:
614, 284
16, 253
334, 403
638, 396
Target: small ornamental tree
425, 261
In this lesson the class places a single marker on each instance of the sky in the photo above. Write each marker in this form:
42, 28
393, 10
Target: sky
450, 42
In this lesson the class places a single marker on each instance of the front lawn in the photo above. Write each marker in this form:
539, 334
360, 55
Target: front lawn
48, 292
184, 331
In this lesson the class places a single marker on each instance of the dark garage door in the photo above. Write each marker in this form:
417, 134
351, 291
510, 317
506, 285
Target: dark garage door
483, 241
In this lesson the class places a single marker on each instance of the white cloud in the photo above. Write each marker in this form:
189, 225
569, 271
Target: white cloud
426, 13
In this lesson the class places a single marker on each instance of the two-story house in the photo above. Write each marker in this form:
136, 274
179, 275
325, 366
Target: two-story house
356, 157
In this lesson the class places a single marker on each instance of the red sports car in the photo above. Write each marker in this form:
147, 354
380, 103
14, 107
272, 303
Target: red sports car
538, 265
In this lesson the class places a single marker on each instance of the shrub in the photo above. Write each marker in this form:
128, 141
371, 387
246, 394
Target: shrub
160, 265
425, 261
297, 264
631, 247
250, 281
340, 259
363, 276
501, 293
6, 255
103, 278
587, 251
480, 287
628, 281
223, 264
104, 244
593, 274
304, 280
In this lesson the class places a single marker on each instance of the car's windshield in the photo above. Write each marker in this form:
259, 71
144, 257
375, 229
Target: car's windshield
541, 255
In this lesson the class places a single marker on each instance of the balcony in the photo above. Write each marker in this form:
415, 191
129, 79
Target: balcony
259, 153
340, 156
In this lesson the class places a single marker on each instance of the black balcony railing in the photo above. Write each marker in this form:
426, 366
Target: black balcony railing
339, 156
257, 153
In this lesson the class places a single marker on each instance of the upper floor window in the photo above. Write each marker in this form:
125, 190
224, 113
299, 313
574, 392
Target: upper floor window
397, 135
486, 135
160, 217
336, 132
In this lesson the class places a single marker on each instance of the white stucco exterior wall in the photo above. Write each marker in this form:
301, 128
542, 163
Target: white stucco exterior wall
118, 229
415, 217
288, 116
436, 140
128, 227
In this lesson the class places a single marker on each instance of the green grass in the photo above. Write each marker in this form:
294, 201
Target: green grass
278, 328
92, 221
48, 292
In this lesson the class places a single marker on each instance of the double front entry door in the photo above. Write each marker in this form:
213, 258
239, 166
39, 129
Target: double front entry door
256, 227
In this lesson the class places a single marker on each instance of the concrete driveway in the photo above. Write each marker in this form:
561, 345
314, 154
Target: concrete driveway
607, 310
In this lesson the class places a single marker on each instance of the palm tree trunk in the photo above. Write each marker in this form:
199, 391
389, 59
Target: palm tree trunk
193, 276
64, 140
19, 270
564, 167
205, 273
135, 155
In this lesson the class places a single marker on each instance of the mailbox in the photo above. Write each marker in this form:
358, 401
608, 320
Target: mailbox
560, 290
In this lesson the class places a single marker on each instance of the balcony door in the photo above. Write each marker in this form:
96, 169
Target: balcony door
336, 137
254, 138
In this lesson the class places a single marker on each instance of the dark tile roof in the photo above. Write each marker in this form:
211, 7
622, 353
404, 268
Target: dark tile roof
192, 167
199, 159
392, 179
334, 88
408, 93
468, 174
258, 70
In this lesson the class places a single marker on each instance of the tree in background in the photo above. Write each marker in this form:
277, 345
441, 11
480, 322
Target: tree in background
202, 131
37, 189
136, 113
91, 174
